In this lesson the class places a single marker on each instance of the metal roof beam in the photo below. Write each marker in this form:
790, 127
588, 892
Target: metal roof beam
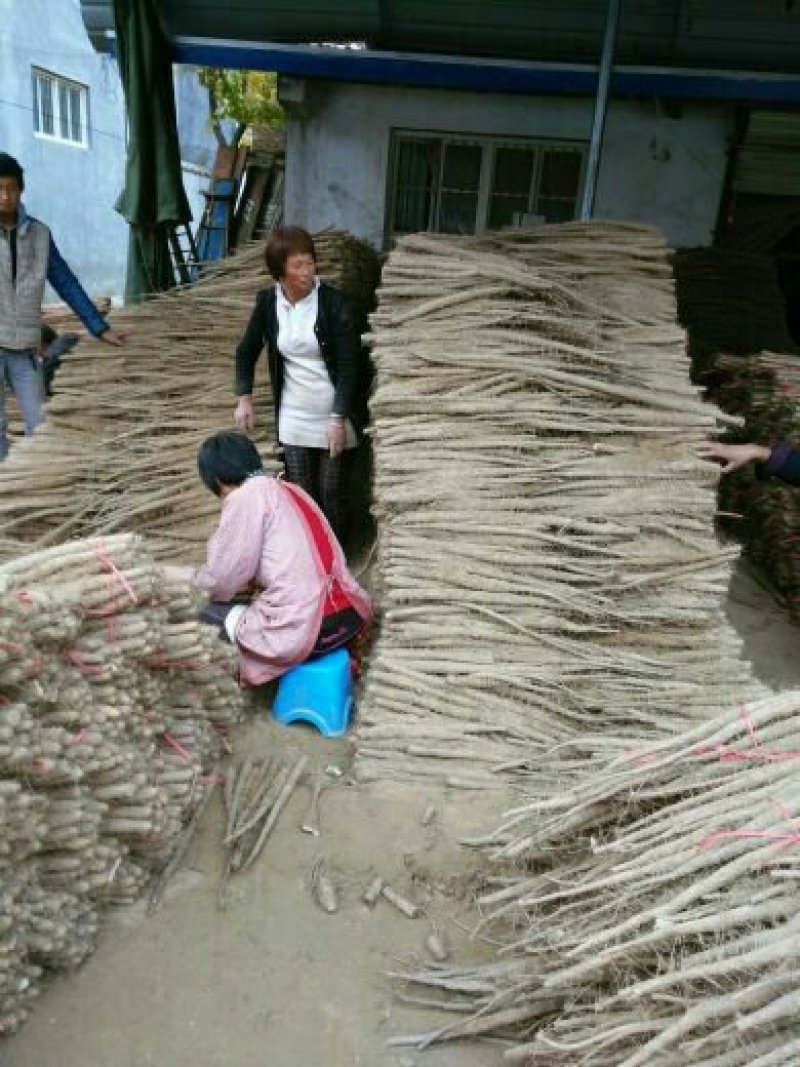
492, 75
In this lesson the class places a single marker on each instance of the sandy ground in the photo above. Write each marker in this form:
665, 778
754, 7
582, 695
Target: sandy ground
274, 982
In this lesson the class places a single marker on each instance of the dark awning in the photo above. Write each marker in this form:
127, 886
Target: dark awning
750, 35
153, 200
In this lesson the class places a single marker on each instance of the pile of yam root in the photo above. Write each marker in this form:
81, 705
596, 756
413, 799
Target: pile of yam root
114, 702
546, 549
553, 619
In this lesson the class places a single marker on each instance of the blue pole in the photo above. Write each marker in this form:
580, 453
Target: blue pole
600, 110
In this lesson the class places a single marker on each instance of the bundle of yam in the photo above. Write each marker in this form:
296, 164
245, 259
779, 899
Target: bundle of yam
648, 912
546, 544
765, 390
117, 452
113, 701
742, 352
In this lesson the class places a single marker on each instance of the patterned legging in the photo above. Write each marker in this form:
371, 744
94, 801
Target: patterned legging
322, 478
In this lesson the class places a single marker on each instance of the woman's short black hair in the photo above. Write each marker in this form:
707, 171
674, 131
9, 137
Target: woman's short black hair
284, 242
10, 168
227, 458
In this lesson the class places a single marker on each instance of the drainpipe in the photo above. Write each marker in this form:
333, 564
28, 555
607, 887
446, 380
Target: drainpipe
600, 109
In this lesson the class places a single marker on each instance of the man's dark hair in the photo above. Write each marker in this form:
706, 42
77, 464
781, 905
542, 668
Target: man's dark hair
227, 458
284, 242
9, 168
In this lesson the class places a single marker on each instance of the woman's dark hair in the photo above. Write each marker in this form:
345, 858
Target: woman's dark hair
9, 168
284, 242
227, 458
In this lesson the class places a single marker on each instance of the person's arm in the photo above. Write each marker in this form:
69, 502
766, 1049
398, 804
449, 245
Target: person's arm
247, 352
234, 550
779, 461
73, 294
783, 462
345, 343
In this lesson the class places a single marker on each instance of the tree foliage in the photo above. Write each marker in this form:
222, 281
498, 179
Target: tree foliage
249, 97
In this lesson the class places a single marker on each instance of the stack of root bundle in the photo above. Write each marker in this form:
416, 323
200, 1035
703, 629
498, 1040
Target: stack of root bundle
743, 353
765, 390
118, 449
112, 699
546, 544
648, 913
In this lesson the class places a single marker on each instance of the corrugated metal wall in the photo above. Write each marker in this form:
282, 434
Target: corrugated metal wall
759, 35
769, 158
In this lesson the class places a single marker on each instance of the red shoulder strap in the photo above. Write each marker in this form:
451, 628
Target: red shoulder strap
336, 599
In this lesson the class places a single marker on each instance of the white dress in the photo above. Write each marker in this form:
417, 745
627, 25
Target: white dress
307, 394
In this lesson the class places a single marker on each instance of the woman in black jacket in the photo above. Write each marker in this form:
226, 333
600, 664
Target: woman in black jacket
313, 351
779, 460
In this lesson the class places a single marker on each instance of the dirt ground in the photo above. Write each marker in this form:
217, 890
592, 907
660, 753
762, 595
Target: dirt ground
274, 982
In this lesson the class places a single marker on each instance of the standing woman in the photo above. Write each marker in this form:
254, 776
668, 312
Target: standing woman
313, 351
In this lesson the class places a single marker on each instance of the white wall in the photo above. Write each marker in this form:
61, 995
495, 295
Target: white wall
71, 188
665, 171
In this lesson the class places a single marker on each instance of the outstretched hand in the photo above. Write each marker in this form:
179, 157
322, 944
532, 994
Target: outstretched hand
113, 337
733, 457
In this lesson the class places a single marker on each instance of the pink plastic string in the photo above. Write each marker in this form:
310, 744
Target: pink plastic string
732, 754
78, 661
160, 661
177, 746
643, 758
765, 835
785, 838
109, 564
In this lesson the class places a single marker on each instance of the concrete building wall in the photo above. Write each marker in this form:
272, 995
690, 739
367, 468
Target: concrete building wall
663, 170
72, 188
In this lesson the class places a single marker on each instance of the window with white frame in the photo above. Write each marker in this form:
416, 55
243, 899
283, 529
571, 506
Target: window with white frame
60, 108
462, 184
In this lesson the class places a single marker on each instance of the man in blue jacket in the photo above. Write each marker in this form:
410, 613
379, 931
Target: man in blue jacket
28, 259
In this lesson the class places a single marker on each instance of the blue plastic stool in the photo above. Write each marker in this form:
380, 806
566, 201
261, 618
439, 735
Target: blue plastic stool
319, 691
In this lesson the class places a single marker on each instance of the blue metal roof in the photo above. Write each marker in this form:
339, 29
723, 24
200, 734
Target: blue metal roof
500, 76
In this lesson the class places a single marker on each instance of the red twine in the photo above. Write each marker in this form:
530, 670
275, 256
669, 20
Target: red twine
644, 758
177, 746
78, 661
782, 836
108, 564
732, 754
161, 662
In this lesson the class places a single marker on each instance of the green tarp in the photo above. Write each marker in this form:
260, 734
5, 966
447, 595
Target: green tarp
153, 201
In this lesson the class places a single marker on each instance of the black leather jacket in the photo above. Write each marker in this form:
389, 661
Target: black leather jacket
338, 342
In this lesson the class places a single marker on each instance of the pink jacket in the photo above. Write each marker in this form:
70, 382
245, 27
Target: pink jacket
262, 537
